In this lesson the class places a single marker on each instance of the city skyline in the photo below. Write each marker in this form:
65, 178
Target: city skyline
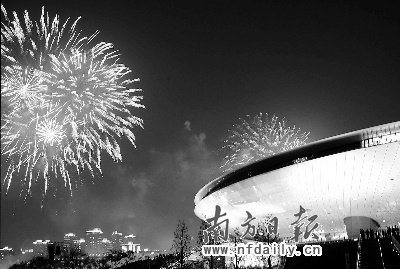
115, 241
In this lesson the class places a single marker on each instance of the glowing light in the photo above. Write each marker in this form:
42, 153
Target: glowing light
130, 236
50, 132
254, 138
69, 235
65, 101
23, 87
95, 230
41, 242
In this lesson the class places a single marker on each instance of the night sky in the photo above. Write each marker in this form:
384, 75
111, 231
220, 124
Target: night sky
328, 67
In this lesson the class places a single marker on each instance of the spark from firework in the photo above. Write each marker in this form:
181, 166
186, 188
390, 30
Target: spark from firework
258, 137
65, 101
33, 45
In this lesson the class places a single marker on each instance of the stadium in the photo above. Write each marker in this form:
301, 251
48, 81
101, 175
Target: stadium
349, 182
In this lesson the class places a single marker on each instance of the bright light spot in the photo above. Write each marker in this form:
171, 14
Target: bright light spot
50, 132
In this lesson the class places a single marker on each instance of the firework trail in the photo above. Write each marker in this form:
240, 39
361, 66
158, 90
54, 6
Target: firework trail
254, 138
64, 101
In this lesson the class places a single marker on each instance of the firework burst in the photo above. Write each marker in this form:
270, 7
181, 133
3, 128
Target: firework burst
65, 101
254, 138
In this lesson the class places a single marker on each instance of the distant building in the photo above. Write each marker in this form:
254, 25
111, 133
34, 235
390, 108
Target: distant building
80, 244
94, 245
129, 244
151, 253
70, 238
107, 245
40, 248
26, 251
72, 244
6, 251
116, 240
26, 254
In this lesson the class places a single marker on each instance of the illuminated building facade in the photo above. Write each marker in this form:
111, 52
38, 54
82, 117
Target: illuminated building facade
94, 243
27, 253
81, 244
116, 240
129, 244
6, 251
107, 245
72, 243
70, 238
40, 248
57, 250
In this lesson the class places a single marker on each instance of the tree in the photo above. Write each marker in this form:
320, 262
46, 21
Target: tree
236, 238
213, 261
181, 243
200, 236
265, 235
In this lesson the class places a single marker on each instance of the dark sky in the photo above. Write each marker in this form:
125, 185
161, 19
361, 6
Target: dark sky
329, 67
